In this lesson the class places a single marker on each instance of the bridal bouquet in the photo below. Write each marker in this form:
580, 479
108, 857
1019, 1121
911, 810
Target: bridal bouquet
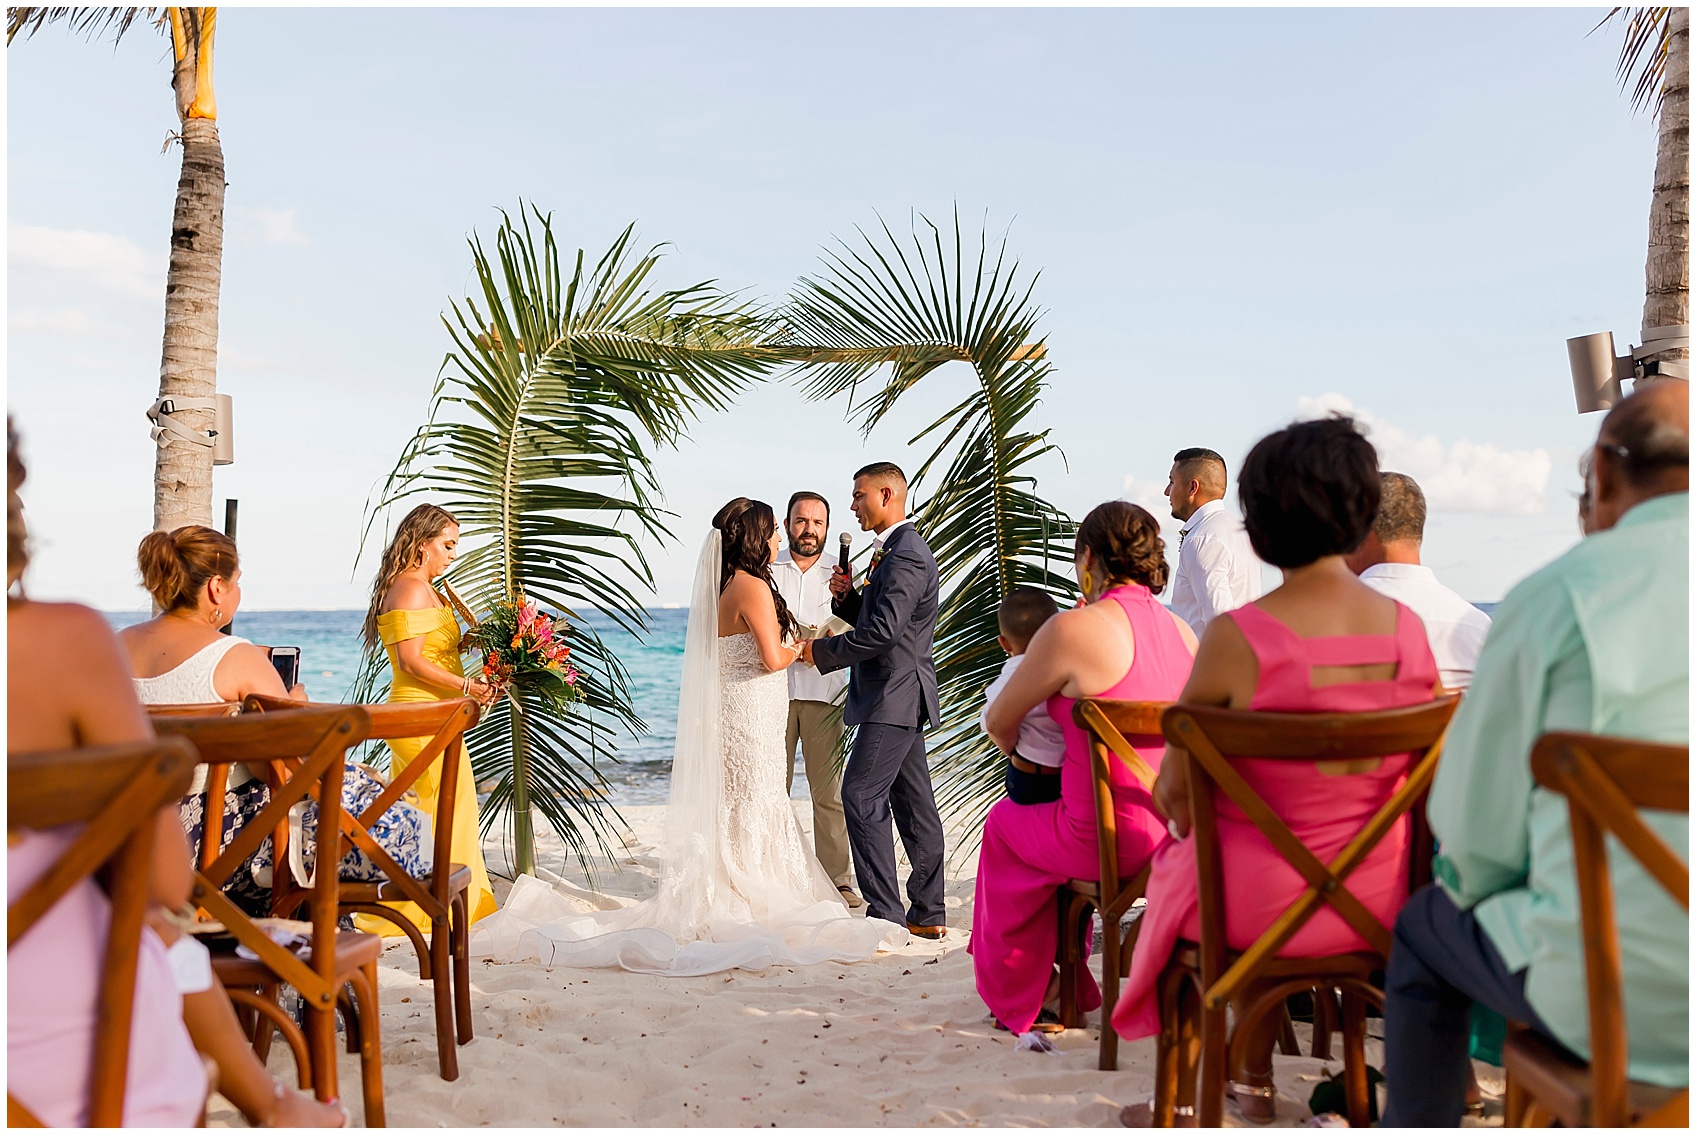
523, 647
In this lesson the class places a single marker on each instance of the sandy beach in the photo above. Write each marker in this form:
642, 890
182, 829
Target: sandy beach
901, 1041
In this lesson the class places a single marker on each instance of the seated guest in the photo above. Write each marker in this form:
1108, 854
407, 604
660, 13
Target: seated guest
1388, 562
1322, 642
1033, 767
1121, 644
1598, 641
180, 657
53, 972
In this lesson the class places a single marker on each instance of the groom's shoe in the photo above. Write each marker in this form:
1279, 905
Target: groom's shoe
854, 901
932, 932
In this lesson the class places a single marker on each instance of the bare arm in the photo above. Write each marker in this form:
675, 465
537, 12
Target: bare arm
755, 609
247, 669
1224, 669
409, 594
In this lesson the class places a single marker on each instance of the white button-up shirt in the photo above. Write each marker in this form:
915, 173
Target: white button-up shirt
808, 595
1217, 568
1454, 628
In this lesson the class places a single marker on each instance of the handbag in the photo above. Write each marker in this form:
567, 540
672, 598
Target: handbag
241, 804
403, 831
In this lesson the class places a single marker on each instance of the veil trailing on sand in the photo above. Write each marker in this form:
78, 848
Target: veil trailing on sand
708, 914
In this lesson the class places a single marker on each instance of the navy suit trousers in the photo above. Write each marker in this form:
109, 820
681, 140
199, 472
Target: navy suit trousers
888, 777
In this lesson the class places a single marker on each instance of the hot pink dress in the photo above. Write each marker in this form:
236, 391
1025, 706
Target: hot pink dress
52, 1002
1324, 811
1031, 849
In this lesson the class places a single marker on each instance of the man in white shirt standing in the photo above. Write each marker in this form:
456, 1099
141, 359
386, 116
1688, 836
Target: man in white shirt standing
1388, 562
815, 712
1217, 569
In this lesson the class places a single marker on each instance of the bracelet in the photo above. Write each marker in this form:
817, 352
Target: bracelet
465, 686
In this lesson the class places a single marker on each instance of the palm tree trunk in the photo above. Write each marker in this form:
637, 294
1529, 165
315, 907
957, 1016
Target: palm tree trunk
188, 367
1666, 300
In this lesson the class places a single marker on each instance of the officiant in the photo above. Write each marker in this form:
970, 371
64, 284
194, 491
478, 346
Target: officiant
802, 574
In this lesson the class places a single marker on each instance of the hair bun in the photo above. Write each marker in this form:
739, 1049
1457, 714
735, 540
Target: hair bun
175, 565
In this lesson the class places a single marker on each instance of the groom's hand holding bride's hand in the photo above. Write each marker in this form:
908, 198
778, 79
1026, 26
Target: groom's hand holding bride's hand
807, 651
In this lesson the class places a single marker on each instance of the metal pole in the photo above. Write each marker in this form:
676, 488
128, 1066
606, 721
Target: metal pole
230, 531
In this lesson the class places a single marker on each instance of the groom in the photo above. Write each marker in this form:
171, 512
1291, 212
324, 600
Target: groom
891, 697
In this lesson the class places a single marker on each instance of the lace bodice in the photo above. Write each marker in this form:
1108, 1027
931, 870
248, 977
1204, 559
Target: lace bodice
189, 682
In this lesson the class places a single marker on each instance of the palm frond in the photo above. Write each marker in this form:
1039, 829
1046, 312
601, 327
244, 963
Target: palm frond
88, 22
911, 306
1643, 52
555, 390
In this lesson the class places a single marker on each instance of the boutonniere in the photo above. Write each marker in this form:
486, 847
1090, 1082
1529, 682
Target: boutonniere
877, 558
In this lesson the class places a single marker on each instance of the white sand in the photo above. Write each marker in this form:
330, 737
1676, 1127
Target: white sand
898, 1041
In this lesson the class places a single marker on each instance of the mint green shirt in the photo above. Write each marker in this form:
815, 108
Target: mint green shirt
1598, 641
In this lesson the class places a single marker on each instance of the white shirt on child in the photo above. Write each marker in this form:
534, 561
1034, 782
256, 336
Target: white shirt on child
1040, 739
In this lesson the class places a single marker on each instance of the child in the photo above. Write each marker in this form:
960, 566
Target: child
1033, 771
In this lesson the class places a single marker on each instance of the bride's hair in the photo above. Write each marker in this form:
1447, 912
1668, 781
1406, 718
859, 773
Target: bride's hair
747, 527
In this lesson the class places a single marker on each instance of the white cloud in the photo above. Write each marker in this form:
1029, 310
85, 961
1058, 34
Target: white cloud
1457, 476
264, 226
104, 259
66, 324
1150, 494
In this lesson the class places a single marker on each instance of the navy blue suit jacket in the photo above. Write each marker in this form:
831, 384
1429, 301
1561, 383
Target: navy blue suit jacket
893, 678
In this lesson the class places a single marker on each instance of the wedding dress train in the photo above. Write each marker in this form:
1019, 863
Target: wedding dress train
739, 886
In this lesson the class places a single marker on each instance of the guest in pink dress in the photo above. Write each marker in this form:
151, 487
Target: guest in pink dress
1323, 642
1121, 644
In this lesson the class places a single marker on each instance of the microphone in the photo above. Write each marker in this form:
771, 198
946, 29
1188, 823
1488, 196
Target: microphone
844, 542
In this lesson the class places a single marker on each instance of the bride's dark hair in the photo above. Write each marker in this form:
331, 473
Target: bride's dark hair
747, 527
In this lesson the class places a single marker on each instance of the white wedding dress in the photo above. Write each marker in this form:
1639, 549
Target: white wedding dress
739, 887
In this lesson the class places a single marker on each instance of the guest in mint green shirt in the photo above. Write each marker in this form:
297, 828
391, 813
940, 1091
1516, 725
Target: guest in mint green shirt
1598, 642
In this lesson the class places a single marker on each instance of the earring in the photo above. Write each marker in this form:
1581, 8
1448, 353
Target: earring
217, 615
1084, 580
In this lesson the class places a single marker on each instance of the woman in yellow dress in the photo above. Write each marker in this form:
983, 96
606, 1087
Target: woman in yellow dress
423, 641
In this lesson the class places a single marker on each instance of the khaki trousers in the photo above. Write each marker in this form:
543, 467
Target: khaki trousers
818, 727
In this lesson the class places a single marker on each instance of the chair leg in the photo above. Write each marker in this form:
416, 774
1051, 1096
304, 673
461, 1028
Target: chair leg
1112, 950
1515, 1102
1356, 1088
1288, 1043
461, 938
441, 988
1324, 1021
262, 1028
364, 985
321, 1049
1210, 1082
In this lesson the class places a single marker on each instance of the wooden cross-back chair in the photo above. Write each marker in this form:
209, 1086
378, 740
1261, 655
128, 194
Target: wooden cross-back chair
442, 895
318, 739
1202, 978
196, 709
1107, 724
115, 792
1605, 781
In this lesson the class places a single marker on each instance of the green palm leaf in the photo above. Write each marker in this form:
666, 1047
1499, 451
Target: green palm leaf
911, 306
1643, 52
555, 390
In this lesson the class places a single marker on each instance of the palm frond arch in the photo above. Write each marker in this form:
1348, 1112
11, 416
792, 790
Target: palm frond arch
884, 313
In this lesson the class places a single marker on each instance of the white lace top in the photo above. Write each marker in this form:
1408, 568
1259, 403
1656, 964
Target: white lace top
189, 682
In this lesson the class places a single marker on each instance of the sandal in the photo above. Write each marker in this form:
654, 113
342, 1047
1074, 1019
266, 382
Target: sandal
1142, 1115
1047, 1021
1257, 1102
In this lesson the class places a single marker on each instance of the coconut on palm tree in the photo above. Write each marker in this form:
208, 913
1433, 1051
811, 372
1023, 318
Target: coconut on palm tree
188, 366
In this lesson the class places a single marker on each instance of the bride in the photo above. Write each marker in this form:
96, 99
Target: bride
739, 887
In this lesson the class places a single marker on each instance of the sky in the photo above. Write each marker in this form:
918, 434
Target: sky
1240, 217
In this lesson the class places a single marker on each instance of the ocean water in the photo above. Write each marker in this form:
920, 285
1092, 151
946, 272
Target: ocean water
329, 664
640, 770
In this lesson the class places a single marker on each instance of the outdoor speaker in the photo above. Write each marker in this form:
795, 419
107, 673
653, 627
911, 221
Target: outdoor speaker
1596, 371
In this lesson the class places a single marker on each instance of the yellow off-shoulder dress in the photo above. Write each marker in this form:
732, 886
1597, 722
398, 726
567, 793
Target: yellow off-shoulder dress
440, 631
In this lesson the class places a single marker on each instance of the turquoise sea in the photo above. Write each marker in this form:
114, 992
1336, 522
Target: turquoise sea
329, 663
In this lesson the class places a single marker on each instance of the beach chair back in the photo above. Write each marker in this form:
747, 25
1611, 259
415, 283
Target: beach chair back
115, 792
1606, 780
312, 745
1215, 738
1108, 724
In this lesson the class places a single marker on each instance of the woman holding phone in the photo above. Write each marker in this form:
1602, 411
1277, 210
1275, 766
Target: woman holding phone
417, 629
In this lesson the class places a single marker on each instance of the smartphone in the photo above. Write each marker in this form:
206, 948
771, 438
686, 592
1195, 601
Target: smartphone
287, 661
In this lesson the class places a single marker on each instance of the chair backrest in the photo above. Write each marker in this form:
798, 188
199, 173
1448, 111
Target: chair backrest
444, 723
318, 739
196, 709
1605, 781
1107, 724
115, 792
1214, 738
